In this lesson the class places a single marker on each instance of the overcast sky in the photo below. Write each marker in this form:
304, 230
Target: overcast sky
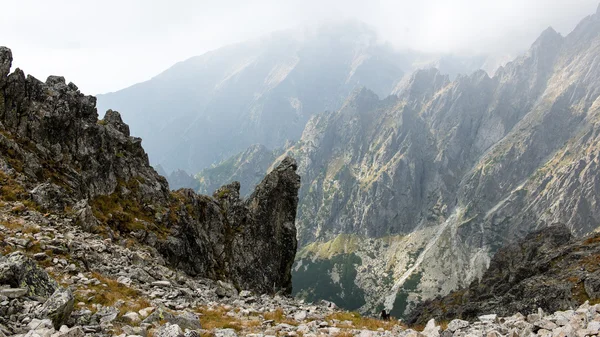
106, 45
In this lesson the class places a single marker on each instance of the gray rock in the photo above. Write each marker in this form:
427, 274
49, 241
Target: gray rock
85, 218
19, 271
13, 292
456, 324
225, 333
107, 314
168, 330
300, 315
161, 283
76, 331
132, 317
431, 330
58, 307
51, 197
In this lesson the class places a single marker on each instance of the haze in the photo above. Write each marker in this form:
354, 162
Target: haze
104, 46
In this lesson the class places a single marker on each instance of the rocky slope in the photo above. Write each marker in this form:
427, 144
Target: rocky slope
259, 92
57, 156
59, 280
434, 180
545, 270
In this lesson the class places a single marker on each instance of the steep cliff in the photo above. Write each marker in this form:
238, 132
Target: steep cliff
57, 156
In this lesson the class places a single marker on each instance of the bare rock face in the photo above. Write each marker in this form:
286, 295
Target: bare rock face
54, 146
258, 242
547, 270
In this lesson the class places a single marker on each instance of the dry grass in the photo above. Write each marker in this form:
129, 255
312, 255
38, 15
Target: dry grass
216, 318
109, 292
359, 321
12, 225
592, 240
278, 316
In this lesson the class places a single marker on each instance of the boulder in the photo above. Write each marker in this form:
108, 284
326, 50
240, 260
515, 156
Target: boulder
19, 271
456, 324
58, 307
185, 320
168, 330
50, 197
225, 333
84, 217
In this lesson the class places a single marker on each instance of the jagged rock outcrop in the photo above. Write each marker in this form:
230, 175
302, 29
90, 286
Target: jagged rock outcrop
57, 156
224, 238
545, 270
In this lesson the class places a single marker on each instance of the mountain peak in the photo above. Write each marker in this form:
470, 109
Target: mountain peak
549, 34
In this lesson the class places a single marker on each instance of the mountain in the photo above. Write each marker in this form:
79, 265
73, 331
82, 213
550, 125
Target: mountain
209, 107
58, 157
408, 197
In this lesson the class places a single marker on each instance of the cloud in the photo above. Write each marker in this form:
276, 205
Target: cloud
107, 45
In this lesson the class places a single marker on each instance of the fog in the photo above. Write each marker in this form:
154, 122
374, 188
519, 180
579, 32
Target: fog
106, 45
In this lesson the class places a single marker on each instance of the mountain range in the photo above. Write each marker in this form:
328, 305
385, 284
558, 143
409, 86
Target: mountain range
209, 107
406, 197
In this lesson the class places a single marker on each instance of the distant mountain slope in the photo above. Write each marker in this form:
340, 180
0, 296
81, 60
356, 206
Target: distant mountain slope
434, 180
545, 270
209, 107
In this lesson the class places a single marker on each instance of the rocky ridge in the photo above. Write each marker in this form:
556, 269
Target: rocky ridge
58, 157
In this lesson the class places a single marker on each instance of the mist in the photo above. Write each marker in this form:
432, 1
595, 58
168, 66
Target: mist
104, 46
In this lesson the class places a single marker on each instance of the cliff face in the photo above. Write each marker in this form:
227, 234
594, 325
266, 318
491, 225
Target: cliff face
432, 181
57, 156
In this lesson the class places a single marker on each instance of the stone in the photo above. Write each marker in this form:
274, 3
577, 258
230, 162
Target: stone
431, 329
225, 333
39, 324
85, 218
545, 324
168, 330
59, 307
593, 326
456, 324
187, 320
76, 331
161, 284
126, 281
107, 314
532, 318
245, 293
132, 318
491, 318
50, 197
19, 271
225, 289
13, 292
300, 315
146, 311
